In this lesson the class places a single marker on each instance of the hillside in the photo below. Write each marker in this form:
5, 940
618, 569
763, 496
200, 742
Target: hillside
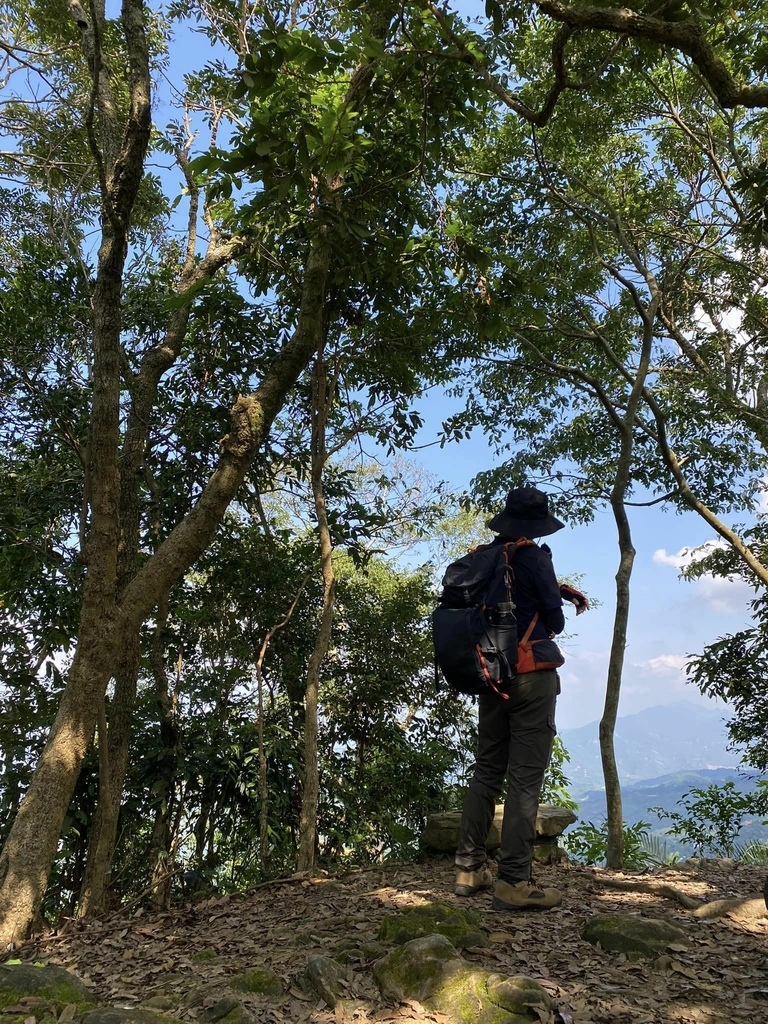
665, 792
658, 741
662, 753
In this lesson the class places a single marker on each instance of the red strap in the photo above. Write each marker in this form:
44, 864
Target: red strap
528, 631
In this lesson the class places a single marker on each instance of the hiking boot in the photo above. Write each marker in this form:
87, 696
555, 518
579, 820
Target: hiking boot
470, 882
524, 896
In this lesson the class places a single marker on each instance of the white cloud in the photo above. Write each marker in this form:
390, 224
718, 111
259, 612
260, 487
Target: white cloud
685, 556
725, 595
664, 664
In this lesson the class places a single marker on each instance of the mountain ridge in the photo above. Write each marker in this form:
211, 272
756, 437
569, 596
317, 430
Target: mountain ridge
652, 743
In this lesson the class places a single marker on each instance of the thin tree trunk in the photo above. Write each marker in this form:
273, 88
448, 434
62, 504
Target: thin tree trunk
263, 790
311, 789
615, 815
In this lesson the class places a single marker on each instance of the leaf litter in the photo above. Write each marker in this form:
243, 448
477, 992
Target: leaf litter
721, 976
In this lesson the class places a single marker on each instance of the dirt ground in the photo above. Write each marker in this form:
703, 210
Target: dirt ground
721, 976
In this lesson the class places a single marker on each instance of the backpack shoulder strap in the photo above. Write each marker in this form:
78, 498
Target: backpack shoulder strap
510, 549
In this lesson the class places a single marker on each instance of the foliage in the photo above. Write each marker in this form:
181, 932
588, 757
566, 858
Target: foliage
587, 843
554, 789
712, 818
733, 667
753, 852
657, 850
467, 251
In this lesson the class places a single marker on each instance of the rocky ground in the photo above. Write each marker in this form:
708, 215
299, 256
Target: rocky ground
719, 974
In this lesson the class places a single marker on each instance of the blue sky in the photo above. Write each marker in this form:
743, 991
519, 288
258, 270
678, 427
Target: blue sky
670, 618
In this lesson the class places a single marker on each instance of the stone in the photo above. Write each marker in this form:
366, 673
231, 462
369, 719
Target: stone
162, 1001
217, 1005
260, 980
635, 936
749, 908
441, 831
220, 1009
431, 971
373, 949
227, 1010
461, 927
56, 986
417, 969
546, 851
127, 1015
323, 977
552, 821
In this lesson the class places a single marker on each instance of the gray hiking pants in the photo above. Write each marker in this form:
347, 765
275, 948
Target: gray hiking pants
515, 739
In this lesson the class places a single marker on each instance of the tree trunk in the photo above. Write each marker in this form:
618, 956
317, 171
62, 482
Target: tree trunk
311, 789
160, 844
27, 857
615, 816
615, 819
103, 835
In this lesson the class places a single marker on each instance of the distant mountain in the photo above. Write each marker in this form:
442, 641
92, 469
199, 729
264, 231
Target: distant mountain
679, 737
665, 792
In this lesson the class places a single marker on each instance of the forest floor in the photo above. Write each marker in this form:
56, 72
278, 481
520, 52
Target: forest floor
722, 975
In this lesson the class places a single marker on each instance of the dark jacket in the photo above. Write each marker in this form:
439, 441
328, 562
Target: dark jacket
537, 590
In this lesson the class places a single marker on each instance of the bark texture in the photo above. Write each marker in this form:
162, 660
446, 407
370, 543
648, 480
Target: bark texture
311, 788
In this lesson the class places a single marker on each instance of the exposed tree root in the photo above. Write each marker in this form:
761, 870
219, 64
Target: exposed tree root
669, 892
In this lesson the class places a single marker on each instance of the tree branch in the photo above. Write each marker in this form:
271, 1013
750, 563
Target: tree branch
685, 36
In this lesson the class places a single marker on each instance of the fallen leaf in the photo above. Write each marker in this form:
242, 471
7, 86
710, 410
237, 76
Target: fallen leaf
298, 994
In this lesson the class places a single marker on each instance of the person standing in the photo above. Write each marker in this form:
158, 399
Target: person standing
515, 735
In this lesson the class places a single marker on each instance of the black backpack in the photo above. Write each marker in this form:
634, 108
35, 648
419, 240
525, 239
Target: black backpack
474, 628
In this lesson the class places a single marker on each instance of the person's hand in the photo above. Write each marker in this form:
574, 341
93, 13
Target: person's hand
579, 600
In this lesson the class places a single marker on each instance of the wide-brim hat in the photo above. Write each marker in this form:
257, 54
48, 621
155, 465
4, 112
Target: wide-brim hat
526, 514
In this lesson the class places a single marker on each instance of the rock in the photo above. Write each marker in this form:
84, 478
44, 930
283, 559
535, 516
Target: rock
373, 949
56, 986
323, 977
431, 971
203, 955
162, 1001
417, 969
119, 1015
460, 927
259, 980
126, 1015
227, 1010
635, 936
552, 821
517, 993
546, 851
441, 831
